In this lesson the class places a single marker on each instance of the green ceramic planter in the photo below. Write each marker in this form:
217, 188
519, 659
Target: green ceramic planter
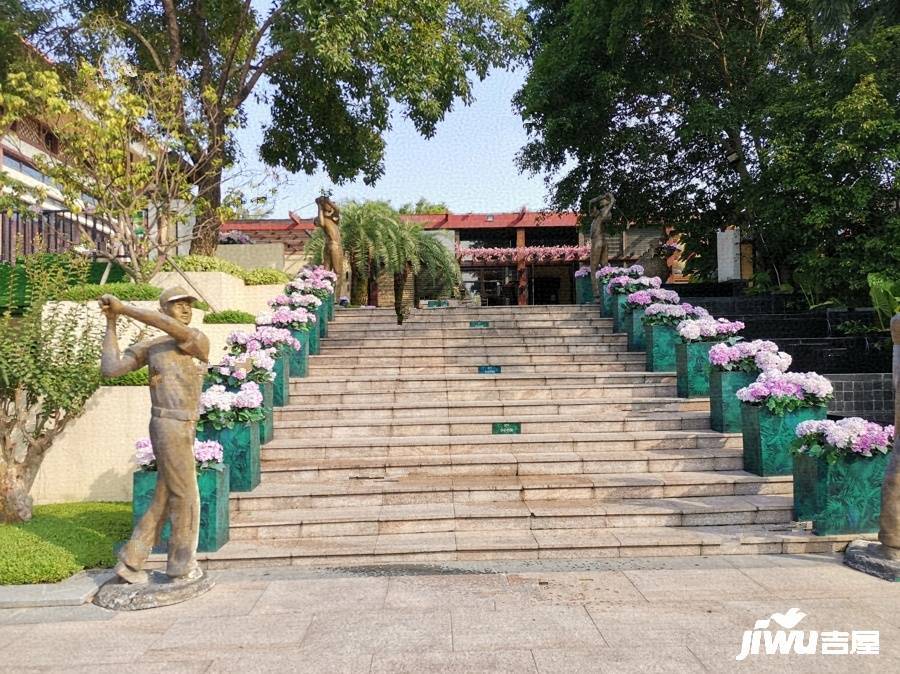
299, 360
692, 368
660, 347
281, 388
634, 327
329, 302
213, 485
619, 312
840, 498
768, 437
267, 425
241, 448
606, 301
584, 292
724, 407
322, 319
314, 336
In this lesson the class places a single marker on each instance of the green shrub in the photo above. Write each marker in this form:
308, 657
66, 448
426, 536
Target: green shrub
128, 292
229, 316
137, 378
263, 277
62, 540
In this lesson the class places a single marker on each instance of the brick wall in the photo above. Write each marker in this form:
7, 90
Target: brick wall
869, 396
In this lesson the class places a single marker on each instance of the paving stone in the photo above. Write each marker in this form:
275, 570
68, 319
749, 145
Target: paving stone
380, 631
202, 636
74, 591
443, 591
659, 658
455, 662
292, 660
314, 594
524, 627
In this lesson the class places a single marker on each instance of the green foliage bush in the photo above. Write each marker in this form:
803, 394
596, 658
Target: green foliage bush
229, 316
62, 540
137, 378
129, 292
264, 277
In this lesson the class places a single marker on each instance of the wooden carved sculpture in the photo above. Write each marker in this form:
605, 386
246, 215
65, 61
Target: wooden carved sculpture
328, 219
599, 208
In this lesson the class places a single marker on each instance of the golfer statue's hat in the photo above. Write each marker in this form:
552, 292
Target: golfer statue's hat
174, 294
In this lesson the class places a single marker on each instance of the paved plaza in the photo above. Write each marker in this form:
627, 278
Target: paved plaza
686, 614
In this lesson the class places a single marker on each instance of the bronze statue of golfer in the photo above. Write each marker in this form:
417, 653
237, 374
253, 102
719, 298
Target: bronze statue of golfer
177, 362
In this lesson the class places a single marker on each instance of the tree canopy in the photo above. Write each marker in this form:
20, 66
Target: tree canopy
780, 117
334, 71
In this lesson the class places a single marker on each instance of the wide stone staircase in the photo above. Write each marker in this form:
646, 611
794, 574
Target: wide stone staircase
396, 449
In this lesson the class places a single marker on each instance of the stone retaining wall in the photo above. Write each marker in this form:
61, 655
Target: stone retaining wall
870, 396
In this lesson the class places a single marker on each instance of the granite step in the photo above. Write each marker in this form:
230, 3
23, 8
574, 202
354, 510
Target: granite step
623, 363
436, 350
470, 341
288, 471
417, 333
549, 356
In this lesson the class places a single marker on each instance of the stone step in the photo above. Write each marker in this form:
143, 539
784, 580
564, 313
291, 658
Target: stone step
471, 489
288, 471
432, 406
423, 445
597, 516
521, 544
564, 422
412, 334
471, 341
623, 363
434, 350
549, 356
484, 314
529, 382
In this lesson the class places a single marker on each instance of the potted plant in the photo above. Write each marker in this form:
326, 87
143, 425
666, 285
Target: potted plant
232, 419
285, 346
301, 325
316, 281
695, 338
659, 322
246, 362
839, 469
604, 274
212, 480
771, 408
584, 292
620, 287
635, 303
734, 366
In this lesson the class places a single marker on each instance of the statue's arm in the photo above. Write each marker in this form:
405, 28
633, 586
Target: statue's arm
112, 362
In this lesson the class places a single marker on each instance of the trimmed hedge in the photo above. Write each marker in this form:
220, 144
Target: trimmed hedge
137, 378
264, 277
128, 292
251, 277
229, 316
62, 540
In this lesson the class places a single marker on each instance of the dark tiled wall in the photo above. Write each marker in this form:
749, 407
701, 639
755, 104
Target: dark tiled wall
870, 396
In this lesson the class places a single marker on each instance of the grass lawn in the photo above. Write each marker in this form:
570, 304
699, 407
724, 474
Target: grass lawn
61, 540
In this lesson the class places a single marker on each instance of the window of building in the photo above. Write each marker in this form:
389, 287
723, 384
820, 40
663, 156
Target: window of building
551, 236
500, 237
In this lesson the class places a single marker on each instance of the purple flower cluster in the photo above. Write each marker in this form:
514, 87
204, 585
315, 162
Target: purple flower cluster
759, 355
607, 272
217, 398
644, 298
625, 285
807, 387
265, 336
846, 436
234, 236
672, 314
707, 328
287, 318
583, 271
307, 301
206, 453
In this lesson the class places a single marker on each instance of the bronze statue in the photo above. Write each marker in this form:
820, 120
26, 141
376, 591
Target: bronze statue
599, 209
328, 219
177, 362
889, 533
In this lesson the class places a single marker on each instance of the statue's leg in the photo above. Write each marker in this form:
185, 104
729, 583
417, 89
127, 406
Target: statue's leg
889, 534
177, 467
595, 265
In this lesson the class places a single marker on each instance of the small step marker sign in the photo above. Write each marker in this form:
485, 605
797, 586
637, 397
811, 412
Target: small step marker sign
438, 304
488, 369
507, 428
479, 324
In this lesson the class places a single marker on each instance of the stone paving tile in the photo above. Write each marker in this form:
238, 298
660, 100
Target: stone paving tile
378, 631
718, 658
319, 662
524, 627
455, 662
824, 581
691, 584
571, 587
660, 658
204, 636
436, 592
54, 614
157, 667
315, 594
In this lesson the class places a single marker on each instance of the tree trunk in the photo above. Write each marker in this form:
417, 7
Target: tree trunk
373, 287
206, 228
15, 483
399, 285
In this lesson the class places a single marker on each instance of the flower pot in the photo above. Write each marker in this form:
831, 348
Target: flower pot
584, 291
267, 425
768, 437
606, 301
241, 449
660, 346
634, 326
213, 485
314, 336
692, 368
724, 407
618, 312
299, 365
322, 319
329, 301
842, 497
281, 388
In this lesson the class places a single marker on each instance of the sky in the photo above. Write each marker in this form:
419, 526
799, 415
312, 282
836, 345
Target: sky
469, 164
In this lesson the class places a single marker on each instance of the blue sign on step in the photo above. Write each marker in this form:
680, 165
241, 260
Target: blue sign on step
488, 369
506, 428
479, 324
